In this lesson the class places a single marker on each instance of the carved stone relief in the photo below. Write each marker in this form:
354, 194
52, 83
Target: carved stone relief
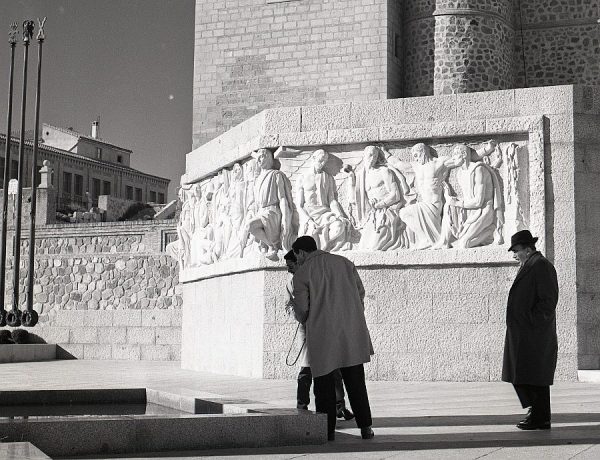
374, 198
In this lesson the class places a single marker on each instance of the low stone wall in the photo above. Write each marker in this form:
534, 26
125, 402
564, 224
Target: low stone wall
105, 291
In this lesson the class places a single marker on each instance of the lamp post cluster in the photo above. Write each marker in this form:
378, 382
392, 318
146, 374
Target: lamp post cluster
15, 317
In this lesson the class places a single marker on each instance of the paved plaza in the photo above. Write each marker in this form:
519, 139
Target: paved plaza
419, 420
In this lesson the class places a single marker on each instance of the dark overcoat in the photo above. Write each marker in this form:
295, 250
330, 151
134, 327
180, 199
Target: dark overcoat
531, 346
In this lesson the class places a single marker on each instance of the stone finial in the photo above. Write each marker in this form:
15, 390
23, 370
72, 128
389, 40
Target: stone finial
45, 172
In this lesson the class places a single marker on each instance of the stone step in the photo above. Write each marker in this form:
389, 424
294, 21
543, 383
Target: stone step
589, 376
27, 352
21, 451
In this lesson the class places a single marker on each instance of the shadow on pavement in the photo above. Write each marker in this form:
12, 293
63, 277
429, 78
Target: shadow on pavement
586, 433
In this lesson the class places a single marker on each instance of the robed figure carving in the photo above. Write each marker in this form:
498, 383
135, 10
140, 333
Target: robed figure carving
321, 215
381, 191
274, 223
473, 220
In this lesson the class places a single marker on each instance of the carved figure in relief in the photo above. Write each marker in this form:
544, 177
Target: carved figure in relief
381, 191
177, 249
185, 228
236, 197
480, 205
424, 218
274, 224
321, 215
201, 241
221, 218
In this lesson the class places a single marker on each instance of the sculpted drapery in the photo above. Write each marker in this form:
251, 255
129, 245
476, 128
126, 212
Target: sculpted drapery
390, 204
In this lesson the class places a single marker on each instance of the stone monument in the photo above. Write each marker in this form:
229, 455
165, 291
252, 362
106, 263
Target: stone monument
421, 193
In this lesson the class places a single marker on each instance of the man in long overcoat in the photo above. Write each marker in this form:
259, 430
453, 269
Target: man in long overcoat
531, 345
329, 300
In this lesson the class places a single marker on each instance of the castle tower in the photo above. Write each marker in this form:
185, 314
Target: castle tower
474, 41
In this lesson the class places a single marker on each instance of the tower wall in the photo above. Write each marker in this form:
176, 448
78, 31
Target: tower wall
473, 46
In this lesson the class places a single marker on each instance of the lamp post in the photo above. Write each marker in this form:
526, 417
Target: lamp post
12, 41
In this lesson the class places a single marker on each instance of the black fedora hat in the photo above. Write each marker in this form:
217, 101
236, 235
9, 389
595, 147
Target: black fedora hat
522, 237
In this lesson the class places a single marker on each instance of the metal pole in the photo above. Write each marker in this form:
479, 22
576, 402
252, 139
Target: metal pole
12, 40
29, 318
13, 318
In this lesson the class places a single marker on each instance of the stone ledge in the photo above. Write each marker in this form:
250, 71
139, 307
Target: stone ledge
200, 165
20, 353
497, 255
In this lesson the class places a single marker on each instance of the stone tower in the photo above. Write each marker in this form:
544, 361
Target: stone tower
256, 54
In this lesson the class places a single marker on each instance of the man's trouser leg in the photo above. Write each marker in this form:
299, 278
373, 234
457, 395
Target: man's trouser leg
538, 398
303, 392
324, 389
339, 390
354, 379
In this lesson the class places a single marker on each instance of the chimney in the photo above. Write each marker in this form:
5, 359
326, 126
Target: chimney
96, 129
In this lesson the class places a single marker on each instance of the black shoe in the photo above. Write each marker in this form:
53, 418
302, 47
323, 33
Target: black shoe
367, 433
528, 416
331, 437
533, 425
345, 414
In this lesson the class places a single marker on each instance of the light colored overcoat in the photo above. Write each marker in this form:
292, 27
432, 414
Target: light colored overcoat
328, 299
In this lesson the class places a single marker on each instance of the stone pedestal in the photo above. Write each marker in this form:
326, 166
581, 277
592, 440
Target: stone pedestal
432, 314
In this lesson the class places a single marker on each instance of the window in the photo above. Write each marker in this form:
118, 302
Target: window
138, 194
152, 196
95, 188
161, 198
78, 185
106, 188
98, 153
129, 192
67, 177
119, 158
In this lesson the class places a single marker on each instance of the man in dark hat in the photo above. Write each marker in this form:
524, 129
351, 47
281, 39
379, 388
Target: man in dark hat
329, 299
531, 346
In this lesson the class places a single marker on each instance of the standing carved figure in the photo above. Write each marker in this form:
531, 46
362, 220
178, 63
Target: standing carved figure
275, 222
321, 215
381, 191
424, 218
201, 243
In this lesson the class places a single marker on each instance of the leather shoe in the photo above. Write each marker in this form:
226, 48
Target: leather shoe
367, 433
534, 425
528, 416
345, 414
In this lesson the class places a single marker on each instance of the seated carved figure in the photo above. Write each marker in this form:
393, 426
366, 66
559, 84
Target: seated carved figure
381, 192
477, 218
274, 223
321, 215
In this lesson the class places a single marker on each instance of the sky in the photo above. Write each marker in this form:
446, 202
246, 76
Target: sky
129, 62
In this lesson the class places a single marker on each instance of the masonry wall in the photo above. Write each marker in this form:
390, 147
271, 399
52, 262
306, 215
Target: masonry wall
105, 290
557, 43
587, 220
255, 54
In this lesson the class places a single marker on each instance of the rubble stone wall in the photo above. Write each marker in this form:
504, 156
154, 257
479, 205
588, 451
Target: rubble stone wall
104, 290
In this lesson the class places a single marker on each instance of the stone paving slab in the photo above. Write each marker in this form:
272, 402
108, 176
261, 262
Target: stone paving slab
21, 451
417, 420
